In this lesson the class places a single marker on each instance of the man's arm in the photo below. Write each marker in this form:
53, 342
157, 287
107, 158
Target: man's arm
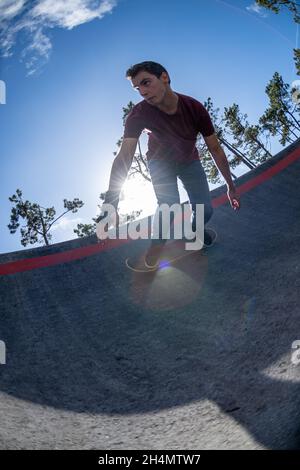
118, 174
220, 158
222, 164
120, 169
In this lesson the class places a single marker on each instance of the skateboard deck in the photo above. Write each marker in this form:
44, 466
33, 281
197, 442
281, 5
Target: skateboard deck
172, 252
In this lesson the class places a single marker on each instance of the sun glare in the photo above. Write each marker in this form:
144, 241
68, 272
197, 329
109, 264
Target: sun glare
137, 194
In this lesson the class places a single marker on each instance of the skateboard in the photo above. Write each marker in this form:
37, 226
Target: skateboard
171, 253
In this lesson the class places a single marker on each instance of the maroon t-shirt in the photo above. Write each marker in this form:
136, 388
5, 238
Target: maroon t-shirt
171, 136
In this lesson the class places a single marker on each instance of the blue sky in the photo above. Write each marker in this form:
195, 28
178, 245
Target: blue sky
64, 64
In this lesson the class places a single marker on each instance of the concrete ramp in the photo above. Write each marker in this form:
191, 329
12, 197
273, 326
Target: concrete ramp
195, 356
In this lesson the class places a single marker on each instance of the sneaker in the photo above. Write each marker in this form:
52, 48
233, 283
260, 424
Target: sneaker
209, 237
152, 256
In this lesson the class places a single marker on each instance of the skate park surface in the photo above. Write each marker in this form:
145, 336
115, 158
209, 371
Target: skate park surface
194, 356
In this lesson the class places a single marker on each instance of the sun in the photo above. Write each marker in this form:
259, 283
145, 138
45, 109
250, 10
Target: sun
137, 194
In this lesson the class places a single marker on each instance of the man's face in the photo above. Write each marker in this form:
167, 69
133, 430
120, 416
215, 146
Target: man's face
151, 88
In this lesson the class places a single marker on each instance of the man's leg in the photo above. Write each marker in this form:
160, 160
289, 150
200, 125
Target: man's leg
195, 183
164, 180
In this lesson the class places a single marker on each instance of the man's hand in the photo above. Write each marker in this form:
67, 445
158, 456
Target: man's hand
233, 198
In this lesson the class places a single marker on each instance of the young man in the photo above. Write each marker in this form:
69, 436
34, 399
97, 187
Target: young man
173, 122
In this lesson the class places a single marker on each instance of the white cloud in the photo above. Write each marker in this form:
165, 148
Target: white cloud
64, 229
254, 8
66, 224
10, 8
34, 18
68, 14
37, 53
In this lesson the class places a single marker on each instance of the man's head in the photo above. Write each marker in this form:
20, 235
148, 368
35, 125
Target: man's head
152, 67
151, 80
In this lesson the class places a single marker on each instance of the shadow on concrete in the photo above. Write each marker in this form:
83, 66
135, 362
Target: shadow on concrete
92, 337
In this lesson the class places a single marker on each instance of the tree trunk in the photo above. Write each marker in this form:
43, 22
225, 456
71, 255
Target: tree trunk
238, 154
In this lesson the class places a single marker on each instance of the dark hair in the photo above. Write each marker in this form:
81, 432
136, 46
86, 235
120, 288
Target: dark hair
152, 67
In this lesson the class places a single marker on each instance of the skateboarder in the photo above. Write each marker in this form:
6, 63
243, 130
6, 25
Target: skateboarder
172, 121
